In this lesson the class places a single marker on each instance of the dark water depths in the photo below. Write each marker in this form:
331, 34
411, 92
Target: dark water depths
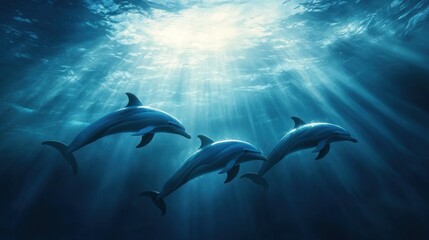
230, 71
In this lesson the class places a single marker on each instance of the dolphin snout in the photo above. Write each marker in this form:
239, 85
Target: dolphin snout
256, 156
183, 133
352, 139
186, 135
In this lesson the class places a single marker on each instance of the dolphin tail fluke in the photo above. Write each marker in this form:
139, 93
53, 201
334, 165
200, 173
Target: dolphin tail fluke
63, 149
159, 202
256, 178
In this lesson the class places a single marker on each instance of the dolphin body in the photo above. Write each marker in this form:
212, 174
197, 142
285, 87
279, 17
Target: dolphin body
302, 136
143, 121
225, 155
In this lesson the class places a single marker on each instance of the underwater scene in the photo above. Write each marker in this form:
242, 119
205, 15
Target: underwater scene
203, 119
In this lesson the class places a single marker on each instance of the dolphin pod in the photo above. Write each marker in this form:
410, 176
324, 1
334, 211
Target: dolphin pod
134, 117
225, 156
302, 136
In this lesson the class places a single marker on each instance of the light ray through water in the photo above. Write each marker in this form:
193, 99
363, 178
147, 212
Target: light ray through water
230, 70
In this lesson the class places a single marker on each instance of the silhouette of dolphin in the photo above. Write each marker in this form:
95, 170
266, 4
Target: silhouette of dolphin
226, 155
302, 136
143, 121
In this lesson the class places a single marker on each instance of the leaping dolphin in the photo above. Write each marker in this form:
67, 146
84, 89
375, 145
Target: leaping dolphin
226, 155
302, 136
143, 121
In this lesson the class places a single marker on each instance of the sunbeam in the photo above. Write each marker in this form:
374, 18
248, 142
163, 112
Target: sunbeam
227, 70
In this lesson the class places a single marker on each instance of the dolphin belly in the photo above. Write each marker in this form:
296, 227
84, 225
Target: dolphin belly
121, 121
291, 143
190, 170
89, 135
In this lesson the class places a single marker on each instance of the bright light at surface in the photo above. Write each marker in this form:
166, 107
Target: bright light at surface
229, 70
201, 29
196, 30
208, 43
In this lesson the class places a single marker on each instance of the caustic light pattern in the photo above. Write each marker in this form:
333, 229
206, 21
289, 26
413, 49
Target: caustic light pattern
227, 70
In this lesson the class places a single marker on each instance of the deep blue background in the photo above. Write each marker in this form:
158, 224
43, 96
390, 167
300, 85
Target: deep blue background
57, 60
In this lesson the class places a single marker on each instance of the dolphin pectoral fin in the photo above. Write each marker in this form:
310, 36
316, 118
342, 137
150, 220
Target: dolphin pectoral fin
298, 122
144, 131
320, 146
145, 140
159, 202
256, 178
231, 174
228, 167
323, 152
133, 101
231, 164
63, 149
205, 140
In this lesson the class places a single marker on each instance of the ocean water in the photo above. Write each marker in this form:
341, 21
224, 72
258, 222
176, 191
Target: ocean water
228, 70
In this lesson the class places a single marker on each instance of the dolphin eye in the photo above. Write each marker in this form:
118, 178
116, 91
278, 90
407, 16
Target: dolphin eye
246, 151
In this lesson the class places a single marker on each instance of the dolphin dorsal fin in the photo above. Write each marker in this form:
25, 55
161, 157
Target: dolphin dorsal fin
133, 101
298, 122
205, 140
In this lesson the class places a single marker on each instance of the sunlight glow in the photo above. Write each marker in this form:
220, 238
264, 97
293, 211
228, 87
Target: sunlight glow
228, 70
184, 32
198, 29
203, 41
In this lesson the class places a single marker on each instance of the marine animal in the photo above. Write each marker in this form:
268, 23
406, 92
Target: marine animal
134, 117
226, 156
302, 136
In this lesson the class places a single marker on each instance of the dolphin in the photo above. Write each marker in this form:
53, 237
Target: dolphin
134, 117
225, 156
302, 136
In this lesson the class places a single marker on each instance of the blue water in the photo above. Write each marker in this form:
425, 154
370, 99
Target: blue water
228, 70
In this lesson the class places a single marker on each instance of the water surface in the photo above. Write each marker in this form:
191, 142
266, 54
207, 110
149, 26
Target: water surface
229, 70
